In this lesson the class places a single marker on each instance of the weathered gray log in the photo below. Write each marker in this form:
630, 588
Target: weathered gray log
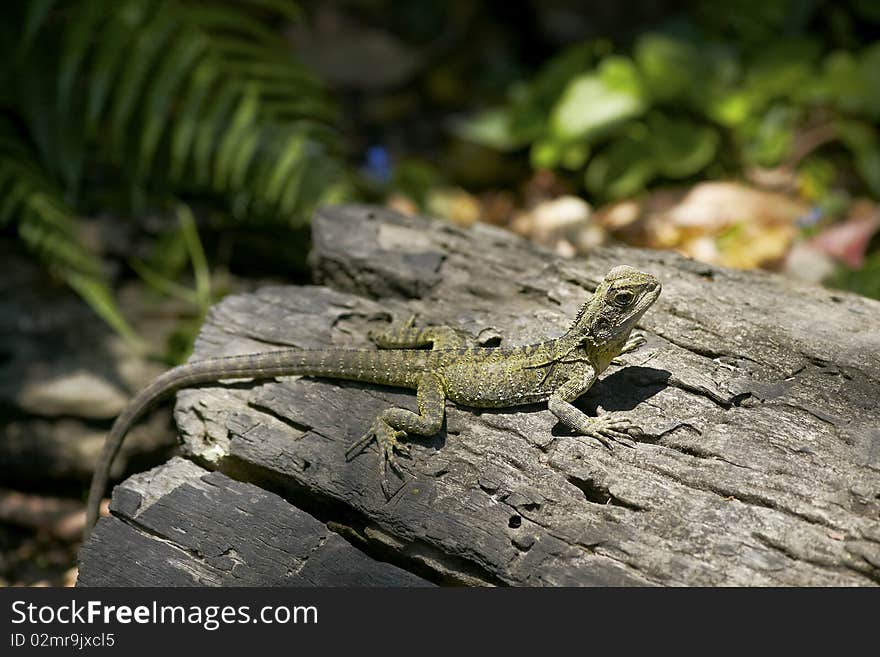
759, 462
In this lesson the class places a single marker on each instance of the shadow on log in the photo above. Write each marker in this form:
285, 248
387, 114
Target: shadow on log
759, 462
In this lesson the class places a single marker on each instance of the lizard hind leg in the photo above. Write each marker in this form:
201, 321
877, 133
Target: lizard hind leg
395, 423
405, 336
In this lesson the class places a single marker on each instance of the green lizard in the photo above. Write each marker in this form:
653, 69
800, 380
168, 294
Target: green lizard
557, 371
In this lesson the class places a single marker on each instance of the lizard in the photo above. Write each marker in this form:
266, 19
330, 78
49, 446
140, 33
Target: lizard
556, 371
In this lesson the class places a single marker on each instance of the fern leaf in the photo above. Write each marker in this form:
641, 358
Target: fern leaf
47, 227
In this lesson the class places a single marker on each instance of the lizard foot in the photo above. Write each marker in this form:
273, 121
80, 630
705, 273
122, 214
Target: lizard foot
631, 345
387, 438
609, 429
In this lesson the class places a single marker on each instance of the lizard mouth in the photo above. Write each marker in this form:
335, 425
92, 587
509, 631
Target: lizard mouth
652, 291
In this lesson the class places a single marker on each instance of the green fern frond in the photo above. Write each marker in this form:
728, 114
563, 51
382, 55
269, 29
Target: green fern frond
173, 98
201, 97
47, 227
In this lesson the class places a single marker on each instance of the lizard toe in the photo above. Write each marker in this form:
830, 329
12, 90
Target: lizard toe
622, 439
358, 446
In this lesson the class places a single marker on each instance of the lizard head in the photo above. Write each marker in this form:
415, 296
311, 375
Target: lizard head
618, 303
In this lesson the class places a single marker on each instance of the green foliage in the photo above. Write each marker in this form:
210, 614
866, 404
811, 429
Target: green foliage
689, 99
46, 226
864, 281
160, 99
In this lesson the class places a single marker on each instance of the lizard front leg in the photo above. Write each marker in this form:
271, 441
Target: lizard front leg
631, 345
406, 336
605, 428
395, 423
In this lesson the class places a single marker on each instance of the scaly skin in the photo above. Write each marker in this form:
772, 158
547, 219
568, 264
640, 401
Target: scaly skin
557, 371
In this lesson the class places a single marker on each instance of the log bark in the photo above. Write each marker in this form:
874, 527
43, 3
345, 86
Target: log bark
758, 463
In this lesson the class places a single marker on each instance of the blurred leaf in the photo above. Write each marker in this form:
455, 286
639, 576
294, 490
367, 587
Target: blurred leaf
815, 178
841, 83
862, 140
867, 9
864, 281
594, 102
202, 97
622, 169
416, 178
869, 67
35, 15
100, 298
545, 154
201, 272
680, 148
490, 128
575, 156
670, 67
164, 98
533, 102
48, 229
768, 138
730, 109
868, 165
782, 70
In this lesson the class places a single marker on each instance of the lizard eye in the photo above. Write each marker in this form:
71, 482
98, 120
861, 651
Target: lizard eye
623, 298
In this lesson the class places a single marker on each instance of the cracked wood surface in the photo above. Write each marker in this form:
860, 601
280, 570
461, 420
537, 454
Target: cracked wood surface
759, 462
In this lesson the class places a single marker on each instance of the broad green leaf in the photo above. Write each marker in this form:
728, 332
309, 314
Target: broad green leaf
680, 148
841, 83
594, 102
768, 139
855, 134
670, 67
782, 70
730, 109
621, 170
488, 128
545, 154
575, 156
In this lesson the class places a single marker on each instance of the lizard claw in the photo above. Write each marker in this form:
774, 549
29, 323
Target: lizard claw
387, 438
609, 429
359, 445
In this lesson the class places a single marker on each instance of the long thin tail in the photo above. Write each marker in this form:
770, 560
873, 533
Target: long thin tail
358, 365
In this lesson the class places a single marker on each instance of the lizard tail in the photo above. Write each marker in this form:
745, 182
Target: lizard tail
266, 365
354, 364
